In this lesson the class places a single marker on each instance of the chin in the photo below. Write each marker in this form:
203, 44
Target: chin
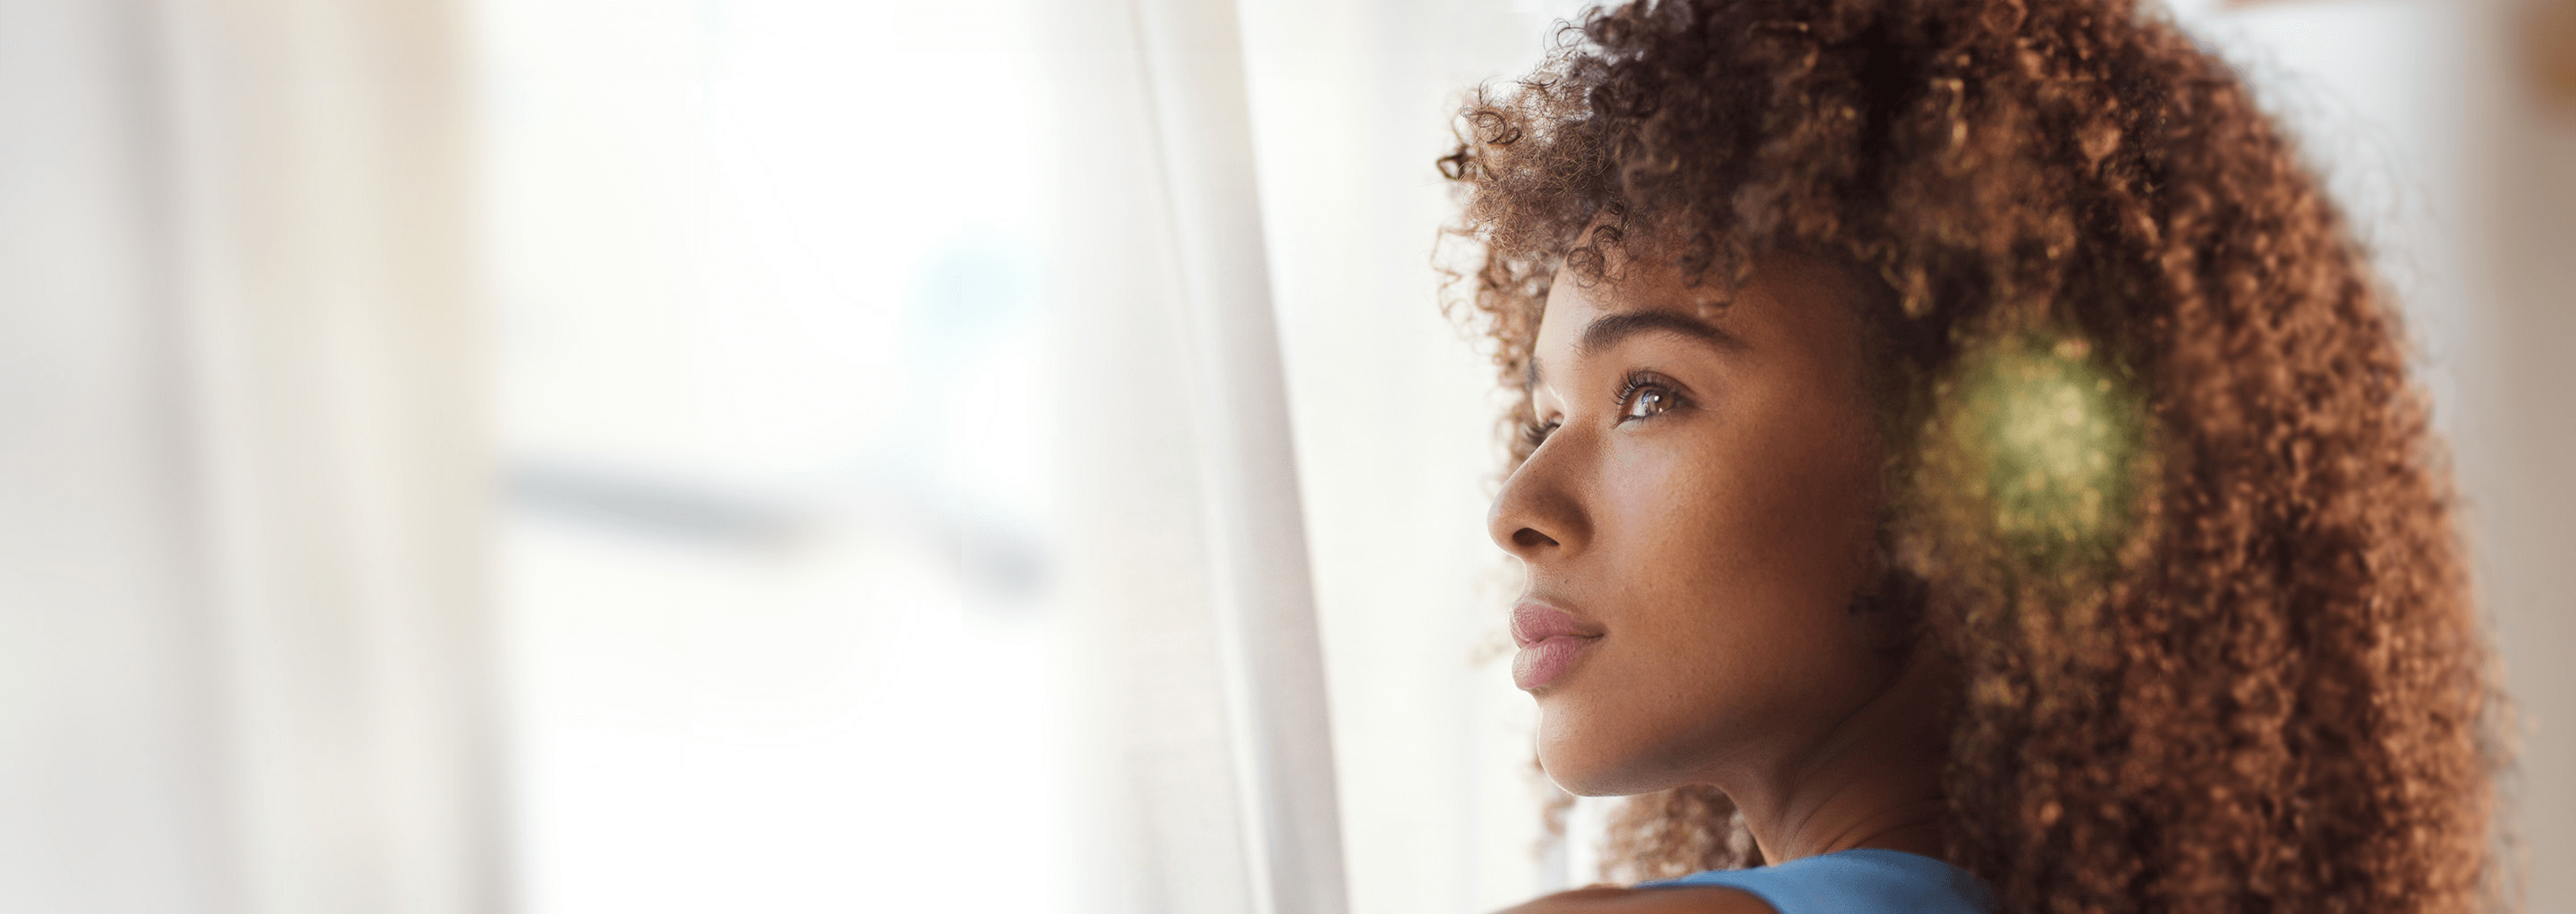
1592, 767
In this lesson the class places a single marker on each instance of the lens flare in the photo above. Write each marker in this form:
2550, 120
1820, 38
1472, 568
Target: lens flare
2035, 449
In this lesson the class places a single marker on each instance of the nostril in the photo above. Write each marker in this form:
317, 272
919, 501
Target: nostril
1527, 538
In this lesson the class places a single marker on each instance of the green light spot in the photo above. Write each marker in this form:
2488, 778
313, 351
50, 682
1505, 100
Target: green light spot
2036, 448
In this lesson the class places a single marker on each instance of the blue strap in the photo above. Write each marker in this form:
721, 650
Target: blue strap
1863, 881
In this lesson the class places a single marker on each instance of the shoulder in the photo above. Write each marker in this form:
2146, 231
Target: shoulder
1673, 900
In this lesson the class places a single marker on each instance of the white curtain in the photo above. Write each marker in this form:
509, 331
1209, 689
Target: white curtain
243, 564
1186, 537
252, 495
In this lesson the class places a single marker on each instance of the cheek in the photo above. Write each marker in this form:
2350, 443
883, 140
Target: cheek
1741, 561
1775, 515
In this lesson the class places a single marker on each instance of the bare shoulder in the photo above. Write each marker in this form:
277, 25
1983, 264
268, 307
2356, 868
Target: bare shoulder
1676, 900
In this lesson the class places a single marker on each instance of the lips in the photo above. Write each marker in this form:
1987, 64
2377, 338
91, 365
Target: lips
1551, 641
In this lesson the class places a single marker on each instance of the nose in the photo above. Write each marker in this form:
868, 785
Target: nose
1539, 514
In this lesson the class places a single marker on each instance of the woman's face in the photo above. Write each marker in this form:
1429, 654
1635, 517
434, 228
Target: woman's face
1695, 525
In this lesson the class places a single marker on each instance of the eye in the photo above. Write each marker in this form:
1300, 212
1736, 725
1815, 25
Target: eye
1647, 402
1645, 396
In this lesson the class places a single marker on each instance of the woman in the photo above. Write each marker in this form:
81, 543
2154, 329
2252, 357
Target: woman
1967, 463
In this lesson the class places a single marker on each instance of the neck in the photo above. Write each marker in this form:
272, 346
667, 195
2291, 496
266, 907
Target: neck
1872, 780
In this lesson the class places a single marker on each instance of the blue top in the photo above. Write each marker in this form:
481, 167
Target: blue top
1863, 881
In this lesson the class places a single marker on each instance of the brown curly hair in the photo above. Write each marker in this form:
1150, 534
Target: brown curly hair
2278, 698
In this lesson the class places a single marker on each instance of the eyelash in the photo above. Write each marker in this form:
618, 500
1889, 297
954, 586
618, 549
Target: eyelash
1639, 382
1535, 433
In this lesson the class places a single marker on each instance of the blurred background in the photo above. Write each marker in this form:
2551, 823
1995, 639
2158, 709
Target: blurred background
570, 456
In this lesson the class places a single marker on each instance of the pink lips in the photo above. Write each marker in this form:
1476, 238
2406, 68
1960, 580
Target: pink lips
1551, 640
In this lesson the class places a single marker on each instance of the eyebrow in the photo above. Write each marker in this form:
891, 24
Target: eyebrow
1611, 329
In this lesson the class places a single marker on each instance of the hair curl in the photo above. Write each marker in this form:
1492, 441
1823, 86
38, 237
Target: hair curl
2279, 699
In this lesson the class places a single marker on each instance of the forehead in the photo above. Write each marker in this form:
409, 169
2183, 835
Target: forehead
1633, 284
1787, 300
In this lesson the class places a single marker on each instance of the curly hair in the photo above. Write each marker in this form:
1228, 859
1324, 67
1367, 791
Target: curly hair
2278, 697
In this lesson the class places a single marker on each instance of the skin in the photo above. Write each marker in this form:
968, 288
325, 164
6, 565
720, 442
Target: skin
1714, 528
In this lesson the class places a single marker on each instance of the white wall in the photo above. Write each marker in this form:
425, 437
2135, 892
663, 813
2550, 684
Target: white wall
2521, 492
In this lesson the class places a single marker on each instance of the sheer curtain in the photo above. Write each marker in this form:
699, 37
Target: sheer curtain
1106, 153
244, 560
1185, 534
